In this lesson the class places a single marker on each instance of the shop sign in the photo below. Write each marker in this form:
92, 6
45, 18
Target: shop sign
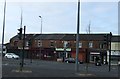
62, 49
95, 53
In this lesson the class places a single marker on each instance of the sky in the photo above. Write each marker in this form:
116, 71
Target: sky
58, 17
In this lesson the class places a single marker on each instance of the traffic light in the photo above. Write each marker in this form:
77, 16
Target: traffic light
20, 33
29, 43
106, 39
110, 36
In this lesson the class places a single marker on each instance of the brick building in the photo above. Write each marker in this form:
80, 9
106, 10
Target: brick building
53, 46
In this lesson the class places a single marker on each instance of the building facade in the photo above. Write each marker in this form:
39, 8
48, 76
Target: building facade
53, 46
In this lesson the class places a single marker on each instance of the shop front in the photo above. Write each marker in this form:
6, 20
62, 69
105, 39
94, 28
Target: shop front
81, 54
63, 53
98, 55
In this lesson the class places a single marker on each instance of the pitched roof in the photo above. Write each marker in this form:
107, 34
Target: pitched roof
85, 37
50, 36
116, 39
67, 37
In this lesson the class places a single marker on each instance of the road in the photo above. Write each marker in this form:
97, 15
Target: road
40, 68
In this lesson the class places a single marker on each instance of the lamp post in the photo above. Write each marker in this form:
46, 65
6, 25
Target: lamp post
77, 39
41, 24
3, 27
41, 34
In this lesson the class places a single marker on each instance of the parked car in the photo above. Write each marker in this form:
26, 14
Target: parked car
11, 55
72, 60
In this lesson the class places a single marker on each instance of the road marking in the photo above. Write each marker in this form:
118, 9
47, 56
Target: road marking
85, 74
5, 64
24, 71
113, 68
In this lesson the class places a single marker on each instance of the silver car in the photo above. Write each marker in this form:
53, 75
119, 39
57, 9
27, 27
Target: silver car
11, 55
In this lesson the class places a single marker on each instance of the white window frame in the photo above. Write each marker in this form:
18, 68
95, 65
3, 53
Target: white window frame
51, 43
39, 43
80, 44
90, 44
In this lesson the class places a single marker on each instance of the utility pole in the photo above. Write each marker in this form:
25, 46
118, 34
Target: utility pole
3, 26
77, 38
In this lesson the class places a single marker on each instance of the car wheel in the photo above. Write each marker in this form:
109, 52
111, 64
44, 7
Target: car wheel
5, 56
12, 57
67, 61
17, 58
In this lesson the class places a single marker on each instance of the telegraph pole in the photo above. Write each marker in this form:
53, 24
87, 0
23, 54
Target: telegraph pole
77, 38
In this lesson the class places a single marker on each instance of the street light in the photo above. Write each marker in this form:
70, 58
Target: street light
41, 24
41, 34
77, 39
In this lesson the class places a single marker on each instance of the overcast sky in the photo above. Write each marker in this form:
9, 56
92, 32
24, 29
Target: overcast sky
59, 17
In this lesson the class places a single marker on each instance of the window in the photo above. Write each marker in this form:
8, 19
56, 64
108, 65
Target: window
80, 44
39, 43
15, 43
101, 46
90, 44
52, 43
27, 43
65, 43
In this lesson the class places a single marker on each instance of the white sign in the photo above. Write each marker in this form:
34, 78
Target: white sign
95, 53
22, 48
62, 49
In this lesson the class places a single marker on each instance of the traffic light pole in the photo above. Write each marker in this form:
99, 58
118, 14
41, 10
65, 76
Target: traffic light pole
110, 51
20, 38
23, 46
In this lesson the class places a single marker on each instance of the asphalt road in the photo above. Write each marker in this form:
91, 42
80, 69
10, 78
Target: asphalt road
40, 68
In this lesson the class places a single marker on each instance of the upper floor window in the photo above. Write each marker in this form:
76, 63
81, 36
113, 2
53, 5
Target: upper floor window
15, 43
91, 44
80, 44
101, 46
39, 43
65, 43
27, 44
52, 43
